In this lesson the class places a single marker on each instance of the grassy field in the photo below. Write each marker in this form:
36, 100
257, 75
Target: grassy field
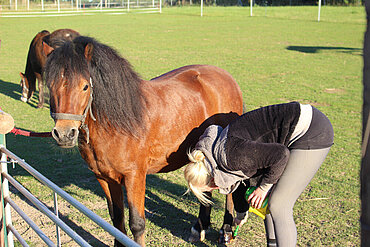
280, 54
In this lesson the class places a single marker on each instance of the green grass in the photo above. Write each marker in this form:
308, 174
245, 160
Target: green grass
278, 55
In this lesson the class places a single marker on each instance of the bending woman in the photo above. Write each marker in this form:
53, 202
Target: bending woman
285, 143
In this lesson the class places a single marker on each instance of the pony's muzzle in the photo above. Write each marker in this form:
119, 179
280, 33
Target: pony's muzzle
65, 137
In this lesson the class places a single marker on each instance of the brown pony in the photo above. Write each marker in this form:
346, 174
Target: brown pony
126, 127
36, 60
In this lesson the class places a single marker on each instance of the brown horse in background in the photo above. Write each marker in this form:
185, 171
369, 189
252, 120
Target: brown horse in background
36, 60
126, 127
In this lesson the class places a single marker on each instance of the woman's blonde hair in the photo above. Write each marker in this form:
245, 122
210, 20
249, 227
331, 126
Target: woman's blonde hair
197, 176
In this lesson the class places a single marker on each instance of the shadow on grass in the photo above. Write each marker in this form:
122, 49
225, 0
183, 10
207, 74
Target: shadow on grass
10, 89
317, 49
14, 91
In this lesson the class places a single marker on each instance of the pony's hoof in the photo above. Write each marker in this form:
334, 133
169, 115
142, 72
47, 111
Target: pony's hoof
24, 99
195, 236
225, 237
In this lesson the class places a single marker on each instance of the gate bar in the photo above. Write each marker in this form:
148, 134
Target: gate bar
122, 238
18, 236
30, 223
46, 211
56, 211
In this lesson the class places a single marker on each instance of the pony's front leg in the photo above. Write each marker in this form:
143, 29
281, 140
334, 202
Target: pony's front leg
40, 82
135, 191
113, 192
198, 231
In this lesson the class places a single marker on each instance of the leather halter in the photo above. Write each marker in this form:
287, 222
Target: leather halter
75, 117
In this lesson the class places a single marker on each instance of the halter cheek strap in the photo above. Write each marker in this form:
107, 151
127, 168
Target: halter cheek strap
75, 117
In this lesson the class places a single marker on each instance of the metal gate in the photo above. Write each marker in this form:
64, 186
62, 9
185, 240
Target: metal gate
8, 230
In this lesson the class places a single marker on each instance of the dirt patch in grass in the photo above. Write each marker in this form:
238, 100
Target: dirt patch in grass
87, 229
334, 90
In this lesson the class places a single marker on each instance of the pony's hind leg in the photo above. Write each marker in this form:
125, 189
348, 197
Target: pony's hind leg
226, 233
204, 221
113, 193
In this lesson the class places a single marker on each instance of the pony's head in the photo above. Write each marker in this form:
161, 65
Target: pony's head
86, 79
68, 80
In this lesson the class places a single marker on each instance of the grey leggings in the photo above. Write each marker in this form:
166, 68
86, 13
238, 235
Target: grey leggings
301, 168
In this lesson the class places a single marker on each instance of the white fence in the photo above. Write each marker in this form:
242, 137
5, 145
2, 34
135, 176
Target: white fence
15, 8
8, 204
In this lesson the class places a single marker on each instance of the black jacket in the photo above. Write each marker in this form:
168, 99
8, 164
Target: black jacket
257, 141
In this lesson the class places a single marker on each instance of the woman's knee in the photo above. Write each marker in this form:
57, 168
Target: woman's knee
278, 206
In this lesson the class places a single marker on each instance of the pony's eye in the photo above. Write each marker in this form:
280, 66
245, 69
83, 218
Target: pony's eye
86, 87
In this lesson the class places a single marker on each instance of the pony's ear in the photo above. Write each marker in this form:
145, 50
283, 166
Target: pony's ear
89, 48
47, 48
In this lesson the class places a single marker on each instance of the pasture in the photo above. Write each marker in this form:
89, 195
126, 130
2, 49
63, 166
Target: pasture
280, 54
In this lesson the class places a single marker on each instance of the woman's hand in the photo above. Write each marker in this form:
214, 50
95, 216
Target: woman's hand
257, 197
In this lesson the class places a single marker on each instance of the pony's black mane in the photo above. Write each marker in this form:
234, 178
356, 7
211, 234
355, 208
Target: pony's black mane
117, 98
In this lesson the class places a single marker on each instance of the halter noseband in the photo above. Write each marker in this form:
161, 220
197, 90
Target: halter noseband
75, 117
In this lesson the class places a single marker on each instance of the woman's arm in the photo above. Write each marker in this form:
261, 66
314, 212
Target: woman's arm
251, 156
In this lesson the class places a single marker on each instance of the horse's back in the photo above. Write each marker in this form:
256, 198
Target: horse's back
60, 36
218, 89
190, 72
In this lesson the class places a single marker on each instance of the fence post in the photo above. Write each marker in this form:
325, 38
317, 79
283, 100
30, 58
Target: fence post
5, 208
